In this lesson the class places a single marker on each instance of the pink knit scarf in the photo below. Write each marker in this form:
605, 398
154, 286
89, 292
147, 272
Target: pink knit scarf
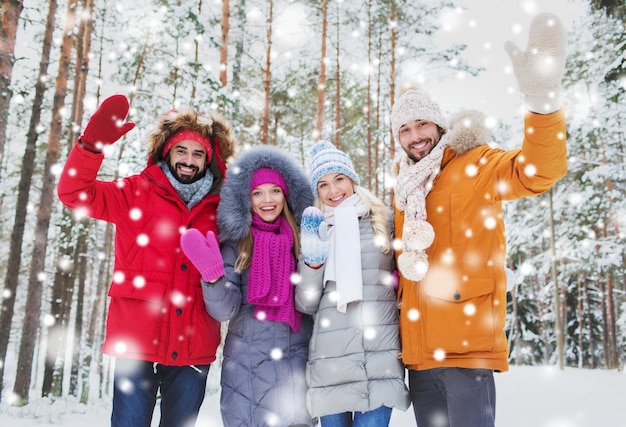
269, 282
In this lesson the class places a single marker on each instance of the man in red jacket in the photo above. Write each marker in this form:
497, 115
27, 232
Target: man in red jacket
448, 214
157, 326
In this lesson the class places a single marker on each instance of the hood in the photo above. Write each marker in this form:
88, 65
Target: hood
467, 130
234, 213
211, 126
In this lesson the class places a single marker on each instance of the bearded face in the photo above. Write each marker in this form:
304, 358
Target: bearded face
187, 161
418, 138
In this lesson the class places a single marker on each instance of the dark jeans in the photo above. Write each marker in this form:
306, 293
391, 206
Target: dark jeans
453, 397
136, 383
375, 418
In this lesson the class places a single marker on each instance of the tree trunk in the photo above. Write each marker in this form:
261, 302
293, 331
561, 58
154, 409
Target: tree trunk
267, 76
196, 59
64, 280
543, 329
80, 306
100, 313
321, 86
239, 44
83, 49
224, 48
592, 342
368, 99
37, 266
392, 69
10, 15
26, 175
611, 345
580, 318
379, 147
558, 320
93, 335
337, 88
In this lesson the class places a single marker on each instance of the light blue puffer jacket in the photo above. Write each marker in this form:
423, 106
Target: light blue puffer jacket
354, 362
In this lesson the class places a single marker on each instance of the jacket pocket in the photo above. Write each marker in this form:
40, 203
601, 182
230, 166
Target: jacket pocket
459, 319
135, 317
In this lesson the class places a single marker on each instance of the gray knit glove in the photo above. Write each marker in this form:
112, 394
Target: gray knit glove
539, 69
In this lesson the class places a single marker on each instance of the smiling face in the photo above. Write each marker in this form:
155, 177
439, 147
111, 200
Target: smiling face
188, 161
334, 188
268, 201
418, 138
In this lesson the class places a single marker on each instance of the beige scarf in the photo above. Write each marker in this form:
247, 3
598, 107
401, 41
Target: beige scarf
414, 182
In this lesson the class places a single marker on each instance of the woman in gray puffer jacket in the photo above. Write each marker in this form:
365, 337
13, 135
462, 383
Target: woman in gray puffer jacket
266, 347
354, 373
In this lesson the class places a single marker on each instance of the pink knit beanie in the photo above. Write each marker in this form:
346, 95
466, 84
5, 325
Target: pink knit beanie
268, 176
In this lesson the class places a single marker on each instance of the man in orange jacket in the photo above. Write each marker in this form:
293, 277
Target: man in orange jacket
448, 215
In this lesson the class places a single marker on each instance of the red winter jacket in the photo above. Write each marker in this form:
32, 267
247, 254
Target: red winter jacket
156, 311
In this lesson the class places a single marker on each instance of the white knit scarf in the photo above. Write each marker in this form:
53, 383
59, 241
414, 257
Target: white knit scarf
343, 263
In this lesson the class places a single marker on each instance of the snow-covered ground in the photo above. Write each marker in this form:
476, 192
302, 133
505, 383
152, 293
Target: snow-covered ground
526, 397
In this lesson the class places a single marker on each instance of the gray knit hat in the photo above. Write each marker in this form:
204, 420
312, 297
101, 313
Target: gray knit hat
326, 158
415, 104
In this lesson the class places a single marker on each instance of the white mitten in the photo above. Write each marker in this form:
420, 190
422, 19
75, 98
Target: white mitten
539, 69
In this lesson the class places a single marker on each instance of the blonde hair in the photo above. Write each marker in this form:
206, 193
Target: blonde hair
378, 213
246, 245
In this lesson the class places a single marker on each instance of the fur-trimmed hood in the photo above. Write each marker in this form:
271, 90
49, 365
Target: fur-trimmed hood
467, 130
234, 213
212, 126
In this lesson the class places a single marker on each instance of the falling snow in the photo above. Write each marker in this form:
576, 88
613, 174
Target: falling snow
537, 396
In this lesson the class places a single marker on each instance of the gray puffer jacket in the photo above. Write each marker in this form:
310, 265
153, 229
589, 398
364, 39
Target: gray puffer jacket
354, 362
263, 370
262, 381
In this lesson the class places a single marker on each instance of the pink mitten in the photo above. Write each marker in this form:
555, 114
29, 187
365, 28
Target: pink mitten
107, 124
204, 253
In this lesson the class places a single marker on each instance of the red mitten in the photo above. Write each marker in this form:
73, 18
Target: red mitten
107, 124
204, 253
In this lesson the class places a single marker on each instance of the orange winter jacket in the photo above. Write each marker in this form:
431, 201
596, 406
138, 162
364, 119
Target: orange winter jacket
455, 316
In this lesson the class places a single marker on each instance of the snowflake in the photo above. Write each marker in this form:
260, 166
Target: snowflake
413, 314
439, 355
276, 354
135, 214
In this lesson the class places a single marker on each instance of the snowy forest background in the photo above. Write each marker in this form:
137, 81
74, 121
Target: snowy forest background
284, 72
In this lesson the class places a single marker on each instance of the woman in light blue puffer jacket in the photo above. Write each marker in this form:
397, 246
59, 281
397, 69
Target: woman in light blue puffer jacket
354, 372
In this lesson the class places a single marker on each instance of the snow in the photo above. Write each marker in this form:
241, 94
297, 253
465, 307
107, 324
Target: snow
494, 91
537, 396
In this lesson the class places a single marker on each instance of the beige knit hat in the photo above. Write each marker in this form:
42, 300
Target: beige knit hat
412, 104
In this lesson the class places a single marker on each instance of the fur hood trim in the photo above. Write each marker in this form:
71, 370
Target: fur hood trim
468, 130
212, 126
234, 213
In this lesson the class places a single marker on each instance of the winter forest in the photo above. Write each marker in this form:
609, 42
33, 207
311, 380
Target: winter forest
286, 73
